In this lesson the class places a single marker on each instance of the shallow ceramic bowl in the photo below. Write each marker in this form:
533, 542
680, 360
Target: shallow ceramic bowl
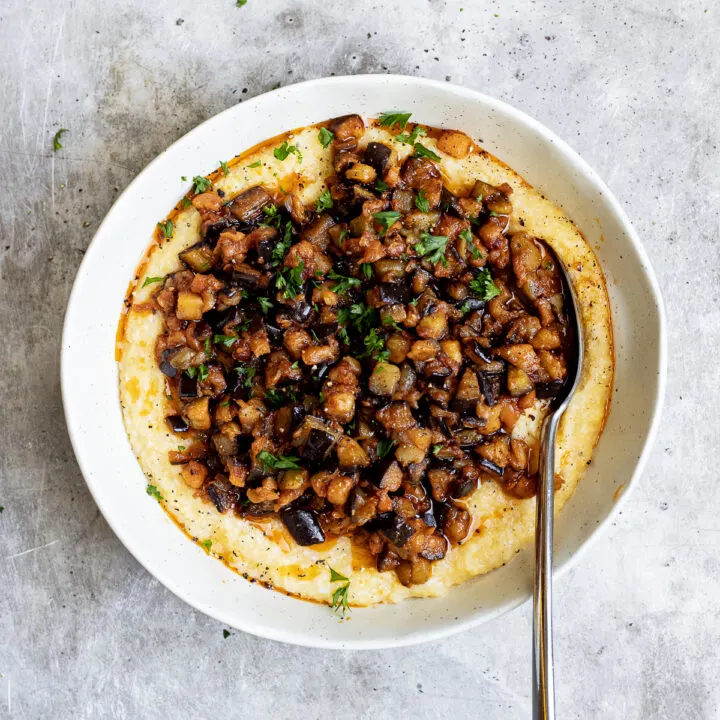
90, 376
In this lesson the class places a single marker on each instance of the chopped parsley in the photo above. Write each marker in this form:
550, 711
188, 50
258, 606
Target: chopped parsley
388, 119
207, 544
166, 228
200, 372
277, 398
281, 249
411, 139
436, 448
225, 340
247, 374
388, 321
227, 633
185, 202
324, 201
343, 283
278, 462
240, 3
466, 235
200, 184
465, 308
422, 151
290, 281
265, 304
367, 270
375, 346
341, 237
256, 164
207, 346
361, 316
56, 140
483, 286
432, 247
181, 448
151, 280
325, 137
282, 152
152, 490
340, 595
384, 447
421, 202
224, 168
387, 218
381, 186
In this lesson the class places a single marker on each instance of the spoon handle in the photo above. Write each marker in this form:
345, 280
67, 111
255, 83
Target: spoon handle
543, 668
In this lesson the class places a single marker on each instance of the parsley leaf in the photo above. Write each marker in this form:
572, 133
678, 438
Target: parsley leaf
152, 490
265, 304
226, 340
387, 218
422, 151
421, 202
227, 633
240, 3
256, 164
436, 448
207, 544
277, 398
56, 140
185, 202
340, 595
361, 316
166, 228
411, 139
375, 346
388, 321
341, 237
200, 372
381, 186
335, 576
384, 447
282, 152
324, 201
281, 249
201, 184
432, 247
367, 270
290, 280
483, 285
465, 308
344, 283
224, 168
466, 235
151, 280
325, 137
388, 119
247, 373
278, 462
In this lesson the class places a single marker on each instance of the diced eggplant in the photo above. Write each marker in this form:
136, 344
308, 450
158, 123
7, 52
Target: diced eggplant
394, 293
248, 205
464, 487
471, 304
266, 243
246, 277
177, 423
398, 532
467, 394
303, 525
165, 365
301, 312
275, 335
197, 413
317, 233
518, 382
225, 446
377, 156
392, 476
490, 385
187, 387
219, 320
468, 437
323, 330
198, 257
258, 510
223, 494
298, 415
549, 390
491, 466
318, 445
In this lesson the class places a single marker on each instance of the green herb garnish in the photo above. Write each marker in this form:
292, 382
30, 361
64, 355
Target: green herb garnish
278, 462
388, 119
151, 280
265, 304
225, 340
207, 544
282, 152
281, 249
375, 346
422, 151
200, 372
384, 447
247, 374
381, 186
240, 3
436, 448
387, 218
224, 168
200, 184
432, 247
466, 235
152, 490
367, 270
227, 633
56, 140
484, 286
421, 202
343, 283
411, 139
325, 137
340, 595
324, 201
290, 281
256, 164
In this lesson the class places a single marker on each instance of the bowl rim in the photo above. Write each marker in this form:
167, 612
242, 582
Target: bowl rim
476, 618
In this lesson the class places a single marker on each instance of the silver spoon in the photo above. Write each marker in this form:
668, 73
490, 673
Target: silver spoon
543, 669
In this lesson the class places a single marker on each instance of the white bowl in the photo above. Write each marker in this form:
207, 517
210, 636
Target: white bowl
90, 377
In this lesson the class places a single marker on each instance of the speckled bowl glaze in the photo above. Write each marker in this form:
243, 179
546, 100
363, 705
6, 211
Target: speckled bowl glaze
90, 377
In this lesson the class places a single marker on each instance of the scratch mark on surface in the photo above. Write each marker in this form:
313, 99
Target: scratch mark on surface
31, 550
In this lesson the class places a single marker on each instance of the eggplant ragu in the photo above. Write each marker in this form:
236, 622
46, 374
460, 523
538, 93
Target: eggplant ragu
357, 368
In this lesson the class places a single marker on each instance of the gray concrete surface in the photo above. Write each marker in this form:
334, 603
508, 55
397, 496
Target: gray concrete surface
85, 632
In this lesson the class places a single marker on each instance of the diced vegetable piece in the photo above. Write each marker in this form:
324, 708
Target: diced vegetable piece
303, 525
198, 257
189, 306
248, 205
518, 382
384, 379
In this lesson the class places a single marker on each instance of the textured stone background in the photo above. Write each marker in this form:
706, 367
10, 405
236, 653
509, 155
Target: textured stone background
85, 632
